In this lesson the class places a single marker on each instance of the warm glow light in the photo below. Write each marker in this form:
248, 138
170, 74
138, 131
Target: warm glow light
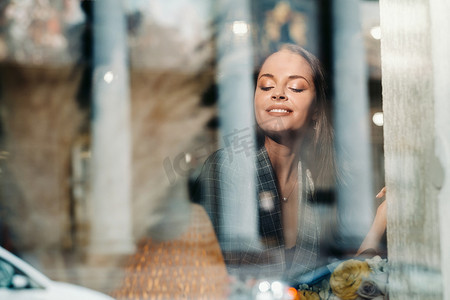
240, 28
108, 77
292, 292
375, 32
378, 118
188, 157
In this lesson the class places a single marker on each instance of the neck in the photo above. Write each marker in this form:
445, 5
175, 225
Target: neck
284, 155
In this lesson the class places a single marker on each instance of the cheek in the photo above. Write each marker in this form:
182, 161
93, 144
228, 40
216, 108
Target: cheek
258, 104
304, 112
258, 116
258, 98
304, 104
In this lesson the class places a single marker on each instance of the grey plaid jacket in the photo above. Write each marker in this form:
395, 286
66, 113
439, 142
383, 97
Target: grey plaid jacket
266, 256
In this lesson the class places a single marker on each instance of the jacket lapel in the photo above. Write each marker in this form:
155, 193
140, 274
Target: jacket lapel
268, 199
305, 257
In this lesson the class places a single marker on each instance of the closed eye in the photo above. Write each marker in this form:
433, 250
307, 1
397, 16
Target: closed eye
297, 90
266, 88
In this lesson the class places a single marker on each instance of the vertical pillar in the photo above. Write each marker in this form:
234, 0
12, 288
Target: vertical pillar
439, 12
235, 70
111, 224
414, 53
355, 195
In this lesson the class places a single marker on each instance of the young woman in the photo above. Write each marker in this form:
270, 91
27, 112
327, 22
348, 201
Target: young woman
293, 163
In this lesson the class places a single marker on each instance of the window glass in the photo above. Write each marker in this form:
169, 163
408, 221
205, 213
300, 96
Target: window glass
206, 149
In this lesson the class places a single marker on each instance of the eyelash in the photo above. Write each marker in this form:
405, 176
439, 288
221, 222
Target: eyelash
265, 88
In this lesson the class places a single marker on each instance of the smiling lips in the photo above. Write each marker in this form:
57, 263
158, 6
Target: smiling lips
278, 111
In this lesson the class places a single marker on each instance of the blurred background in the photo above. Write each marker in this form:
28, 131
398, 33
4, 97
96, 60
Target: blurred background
109, 109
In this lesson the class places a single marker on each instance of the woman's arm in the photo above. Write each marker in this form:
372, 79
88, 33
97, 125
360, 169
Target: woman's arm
378, 226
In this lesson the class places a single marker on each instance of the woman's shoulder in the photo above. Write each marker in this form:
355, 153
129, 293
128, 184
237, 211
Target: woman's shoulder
216, 157
215, 163
214, 175
227, 166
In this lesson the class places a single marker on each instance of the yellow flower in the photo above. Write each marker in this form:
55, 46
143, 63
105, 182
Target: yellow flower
308, 295
347, 278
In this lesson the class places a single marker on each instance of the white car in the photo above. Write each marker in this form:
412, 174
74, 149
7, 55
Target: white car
20, 281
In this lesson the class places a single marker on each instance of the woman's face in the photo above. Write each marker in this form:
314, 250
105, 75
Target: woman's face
284, 94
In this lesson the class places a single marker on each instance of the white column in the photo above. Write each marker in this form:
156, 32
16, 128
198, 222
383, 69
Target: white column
440, 12
111, 224
235, 70
355, 195
416, 73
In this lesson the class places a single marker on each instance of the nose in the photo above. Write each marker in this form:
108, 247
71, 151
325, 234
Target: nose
279, 95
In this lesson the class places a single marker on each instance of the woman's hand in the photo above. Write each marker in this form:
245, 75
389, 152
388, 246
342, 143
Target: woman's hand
380, 221
382, 210
378, 226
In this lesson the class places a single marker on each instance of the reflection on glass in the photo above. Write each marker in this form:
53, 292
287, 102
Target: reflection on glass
189, 67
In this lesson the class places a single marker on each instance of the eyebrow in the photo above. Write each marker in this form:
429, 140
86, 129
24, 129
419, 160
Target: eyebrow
290, 77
